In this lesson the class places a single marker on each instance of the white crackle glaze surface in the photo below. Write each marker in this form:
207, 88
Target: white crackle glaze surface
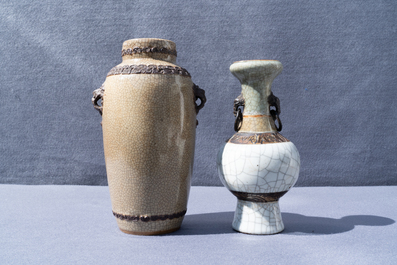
258, 218
258, 168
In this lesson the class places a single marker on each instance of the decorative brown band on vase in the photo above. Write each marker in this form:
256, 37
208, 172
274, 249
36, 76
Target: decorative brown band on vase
257, 138
259, 197
146, 218
148, 69
138, 50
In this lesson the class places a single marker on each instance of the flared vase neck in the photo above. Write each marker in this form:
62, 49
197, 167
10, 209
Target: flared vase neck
256, 78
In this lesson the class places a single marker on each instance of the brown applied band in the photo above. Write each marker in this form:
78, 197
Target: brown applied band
146, 218
257, 138
148, 50
258, 197
148, 69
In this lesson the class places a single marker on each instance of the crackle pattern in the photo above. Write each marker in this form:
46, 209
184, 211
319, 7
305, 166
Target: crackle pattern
254, 98
258, 218
149, 123
262, 168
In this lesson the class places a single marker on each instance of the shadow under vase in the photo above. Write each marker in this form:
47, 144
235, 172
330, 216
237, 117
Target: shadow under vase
297, 224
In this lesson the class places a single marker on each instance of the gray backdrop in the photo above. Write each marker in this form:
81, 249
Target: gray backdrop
337, 90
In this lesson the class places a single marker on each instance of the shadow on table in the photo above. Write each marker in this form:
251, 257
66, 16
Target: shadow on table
206, 224
301, 224
221, 223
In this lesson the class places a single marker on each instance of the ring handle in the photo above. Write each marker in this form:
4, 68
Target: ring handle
238, 122
275, 117
275, 110
238, 107
98, 95
199, 94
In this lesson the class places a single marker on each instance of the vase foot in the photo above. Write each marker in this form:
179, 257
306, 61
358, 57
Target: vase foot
149, 227
150, 233
258, 218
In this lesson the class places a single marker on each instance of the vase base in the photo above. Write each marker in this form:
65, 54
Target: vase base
258, 218
150, 233
257, 234
150, 227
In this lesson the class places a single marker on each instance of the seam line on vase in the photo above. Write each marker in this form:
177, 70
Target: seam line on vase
147, 218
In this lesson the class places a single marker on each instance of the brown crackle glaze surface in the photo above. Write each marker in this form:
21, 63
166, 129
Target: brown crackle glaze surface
149, 123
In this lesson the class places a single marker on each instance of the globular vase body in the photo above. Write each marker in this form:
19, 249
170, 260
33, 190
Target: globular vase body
257, 164
149, 124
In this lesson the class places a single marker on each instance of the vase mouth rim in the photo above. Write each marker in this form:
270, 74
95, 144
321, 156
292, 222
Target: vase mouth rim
260, 67
149, 39
261, 60
255, 64
149, 43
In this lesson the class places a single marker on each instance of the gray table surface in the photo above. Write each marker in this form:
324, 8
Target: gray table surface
74, 225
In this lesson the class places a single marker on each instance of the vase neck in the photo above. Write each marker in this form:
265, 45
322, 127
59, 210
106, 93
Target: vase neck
256, 78
158, 49
255, 93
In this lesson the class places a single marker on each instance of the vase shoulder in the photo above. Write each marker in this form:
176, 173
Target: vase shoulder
148, 66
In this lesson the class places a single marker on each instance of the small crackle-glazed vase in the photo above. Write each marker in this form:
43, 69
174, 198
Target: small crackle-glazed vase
148, 107
257, 164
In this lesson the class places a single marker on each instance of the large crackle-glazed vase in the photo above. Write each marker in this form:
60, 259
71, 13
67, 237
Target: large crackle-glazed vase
257, 164
149, 125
